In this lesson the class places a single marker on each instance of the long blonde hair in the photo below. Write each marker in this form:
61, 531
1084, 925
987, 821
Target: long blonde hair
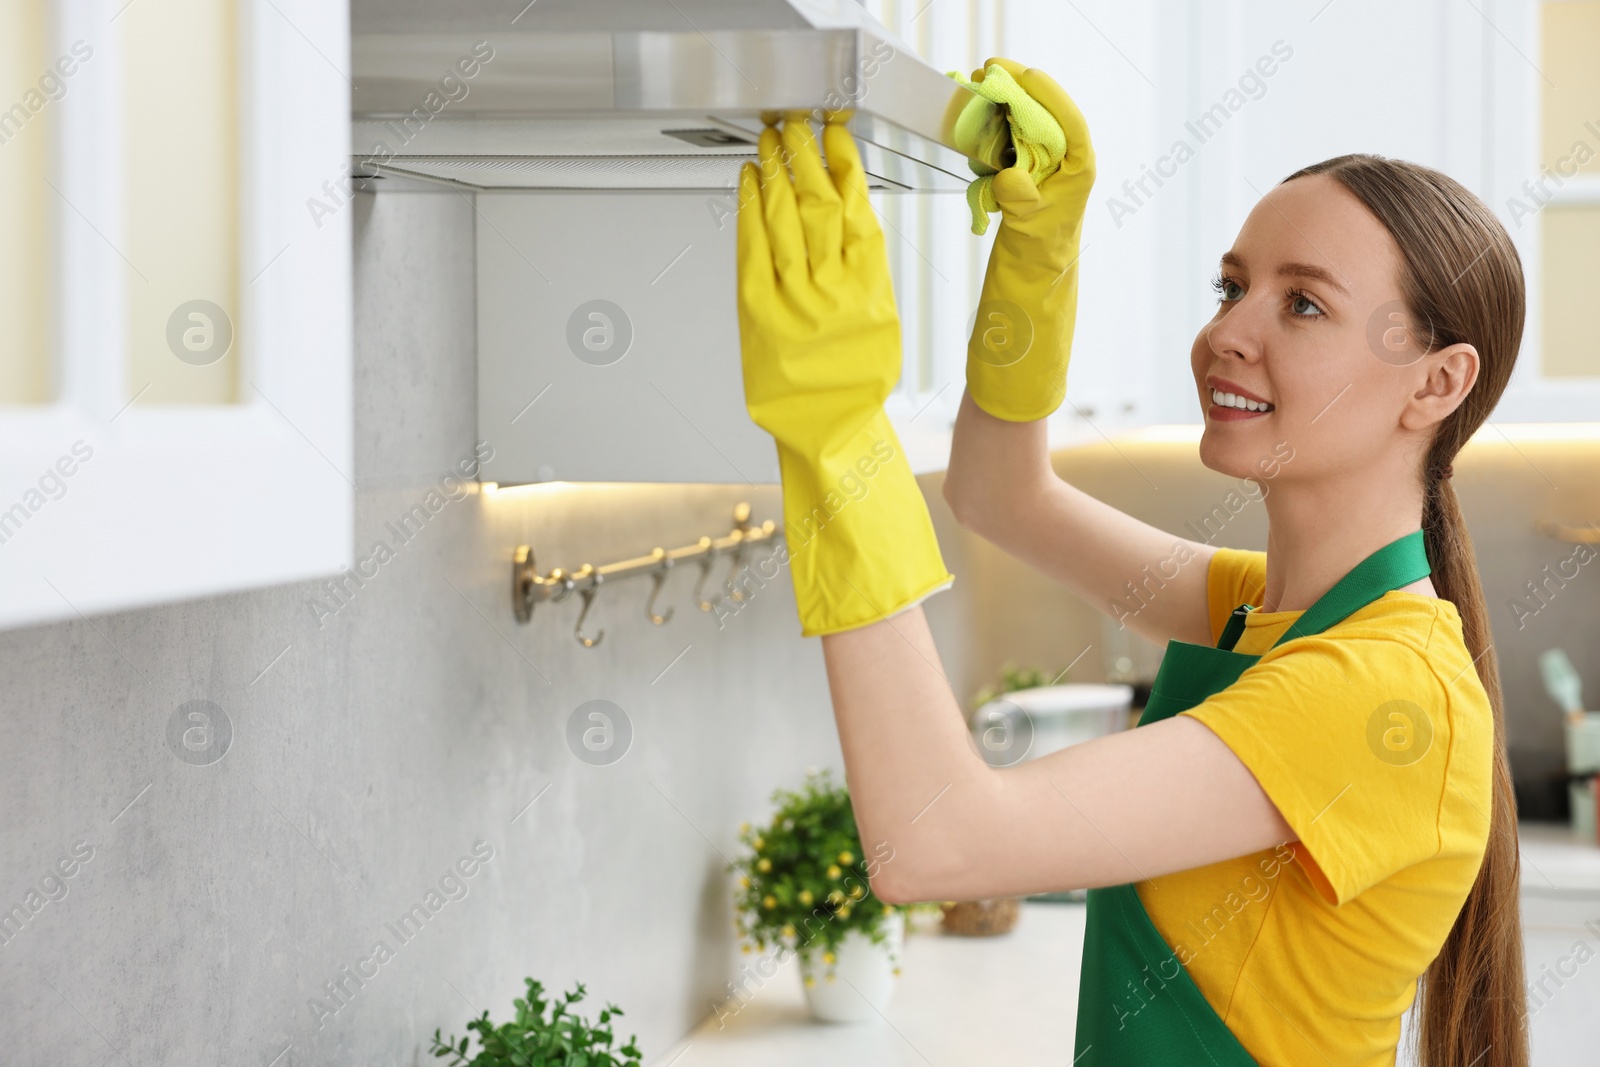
1462, 281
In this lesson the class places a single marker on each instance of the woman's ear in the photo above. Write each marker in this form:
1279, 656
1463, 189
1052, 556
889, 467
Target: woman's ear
1448, 375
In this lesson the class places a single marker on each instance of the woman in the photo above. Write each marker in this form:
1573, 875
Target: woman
1315, 810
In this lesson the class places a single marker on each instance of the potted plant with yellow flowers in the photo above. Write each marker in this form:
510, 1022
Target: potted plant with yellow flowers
803, 888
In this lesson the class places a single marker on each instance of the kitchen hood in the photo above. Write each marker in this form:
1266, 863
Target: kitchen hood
633, 94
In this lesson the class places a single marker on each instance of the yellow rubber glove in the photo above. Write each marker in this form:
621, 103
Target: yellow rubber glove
1017, 355
1002, 126
820, 344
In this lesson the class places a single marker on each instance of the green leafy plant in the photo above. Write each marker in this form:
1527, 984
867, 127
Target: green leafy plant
1013, 678
564, 1040
803, 883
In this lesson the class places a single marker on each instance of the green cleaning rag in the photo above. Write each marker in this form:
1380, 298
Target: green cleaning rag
1004, 127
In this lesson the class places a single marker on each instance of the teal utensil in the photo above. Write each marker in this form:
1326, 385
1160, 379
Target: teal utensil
1561, 681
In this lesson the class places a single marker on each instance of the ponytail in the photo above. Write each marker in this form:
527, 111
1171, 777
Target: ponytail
1461, 280
1472, 996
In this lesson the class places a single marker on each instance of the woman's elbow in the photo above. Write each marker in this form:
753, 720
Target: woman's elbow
960, 499
935, 869
897, 891
894, 875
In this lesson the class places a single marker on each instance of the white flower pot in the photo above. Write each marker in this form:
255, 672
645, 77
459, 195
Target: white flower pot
863, 975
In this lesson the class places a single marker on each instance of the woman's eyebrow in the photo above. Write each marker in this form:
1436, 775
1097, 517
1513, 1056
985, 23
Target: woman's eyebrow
1292, 270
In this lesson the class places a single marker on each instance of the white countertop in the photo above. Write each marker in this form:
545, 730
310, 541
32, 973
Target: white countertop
1013, 999
1010, 999
1556, 860
1560, 911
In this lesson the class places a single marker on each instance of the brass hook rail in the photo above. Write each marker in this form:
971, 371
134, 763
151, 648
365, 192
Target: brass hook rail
529, 588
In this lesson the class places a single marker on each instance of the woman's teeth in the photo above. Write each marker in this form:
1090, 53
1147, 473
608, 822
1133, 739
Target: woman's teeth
1232, 400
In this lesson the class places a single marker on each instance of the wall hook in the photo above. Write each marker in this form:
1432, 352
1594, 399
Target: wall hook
705, 572
735, 594
588, 594
659, 577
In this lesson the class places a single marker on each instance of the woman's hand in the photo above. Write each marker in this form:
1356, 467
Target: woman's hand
1017, 356
820, 345
818, 329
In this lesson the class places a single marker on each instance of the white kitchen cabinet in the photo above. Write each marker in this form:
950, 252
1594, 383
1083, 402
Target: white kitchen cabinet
1458, 87
1198, 110
1545, 170
1454, 86
175, 410
1235, 97
1099, 56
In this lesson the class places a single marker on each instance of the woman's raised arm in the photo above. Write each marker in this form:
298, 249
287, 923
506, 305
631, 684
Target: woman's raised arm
1000, 483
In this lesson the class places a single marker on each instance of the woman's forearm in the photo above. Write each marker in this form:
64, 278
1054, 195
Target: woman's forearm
912, 770
1001, 485
996, 467
938, 823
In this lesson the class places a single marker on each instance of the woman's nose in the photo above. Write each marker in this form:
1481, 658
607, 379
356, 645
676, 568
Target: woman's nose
1239, 333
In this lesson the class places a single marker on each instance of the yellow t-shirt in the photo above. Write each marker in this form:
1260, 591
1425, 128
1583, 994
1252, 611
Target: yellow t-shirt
1375, 741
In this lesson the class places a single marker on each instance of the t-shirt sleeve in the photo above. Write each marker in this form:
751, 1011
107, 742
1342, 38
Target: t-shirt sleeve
1349, 737
1235, 576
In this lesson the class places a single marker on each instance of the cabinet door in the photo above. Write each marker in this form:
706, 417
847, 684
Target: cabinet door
1501, 97
1505, 98
1198, 110
1271, 88
1100, 56
1546, 170
175, 407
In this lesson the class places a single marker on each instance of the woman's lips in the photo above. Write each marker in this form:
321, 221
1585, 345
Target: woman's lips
1231, 402
1226, 414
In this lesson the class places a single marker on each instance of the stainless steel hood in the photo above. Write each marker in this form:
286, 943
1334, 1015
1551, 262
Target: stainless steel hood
633, 94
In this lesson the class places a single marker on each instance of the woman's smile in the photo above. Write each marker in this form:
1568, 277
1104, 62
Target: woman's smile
1231, 402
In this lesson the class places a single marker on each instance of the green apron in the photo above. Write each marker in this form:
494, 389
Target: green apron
1137, 1006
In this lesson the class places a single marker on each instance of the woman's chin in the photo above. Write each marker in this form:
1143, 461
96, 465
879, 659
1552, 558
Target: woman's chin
1224, 456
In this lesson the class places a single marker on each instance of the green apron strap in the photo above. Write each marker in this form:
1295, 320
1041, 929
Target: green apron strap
1400, 562
1235, 628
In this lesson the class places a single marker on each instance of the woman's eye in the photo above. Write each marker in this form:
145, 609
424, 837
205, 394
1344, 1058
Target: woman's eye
1222, 286
1297, 298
